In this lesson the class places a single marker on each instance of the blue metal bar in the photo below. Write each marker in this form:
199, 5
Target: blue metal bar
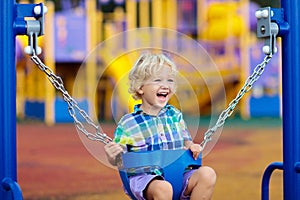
291, 100
278, 17
7, 96
12, 23
297, 167
13, 187
266, 179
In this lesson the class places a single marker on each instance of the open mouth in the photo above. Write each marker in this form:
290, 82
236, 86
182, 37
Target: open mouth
162, 94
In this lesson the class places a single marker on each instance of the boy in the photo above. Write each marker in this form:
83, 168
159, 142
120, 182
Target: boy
156, 125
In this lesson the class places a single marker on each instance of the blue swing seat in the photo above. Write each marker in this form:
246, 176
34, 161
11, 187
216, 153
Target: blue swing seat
173, 163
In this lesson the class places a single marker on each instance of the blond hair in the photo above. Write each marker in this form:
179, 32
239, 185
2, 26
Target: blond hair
147, 65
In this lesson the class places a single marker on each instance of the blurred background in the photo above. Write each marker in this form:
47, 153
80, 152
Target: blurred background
225, 29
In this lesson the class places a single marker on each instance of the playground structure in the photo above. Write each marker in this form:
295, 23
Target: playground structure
290, 36
226, 41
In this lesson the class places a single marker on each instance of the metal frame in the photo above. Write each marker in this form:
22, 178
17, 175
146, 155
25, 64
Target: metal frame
287, 19
12, 23
291, 100
8, 100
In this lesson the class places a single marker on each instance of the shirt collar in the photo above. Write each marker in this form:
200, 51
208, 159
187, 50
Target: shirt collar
138, 110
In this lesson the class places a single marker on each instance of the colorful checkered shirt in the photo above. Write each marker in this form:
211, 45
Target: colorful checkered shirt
139, 131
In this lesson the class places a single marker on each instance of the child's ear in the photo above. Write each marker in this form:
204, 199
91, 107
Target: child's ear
140, 91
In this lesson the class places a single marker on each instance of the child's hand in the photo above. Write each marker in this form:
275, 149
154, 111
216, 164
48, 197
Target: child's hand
196, 150
112, 150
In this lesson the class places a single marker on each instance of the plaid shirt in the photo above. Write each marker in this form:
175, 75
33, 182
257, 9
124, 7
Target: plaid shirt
139, 131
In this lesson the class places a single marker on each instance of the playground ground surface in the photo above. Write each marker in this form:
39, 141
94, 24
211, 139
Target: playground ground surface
53, 163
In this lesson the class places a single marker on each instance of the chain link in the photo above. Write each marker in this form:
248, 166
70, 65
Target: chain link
257, 72
73, 108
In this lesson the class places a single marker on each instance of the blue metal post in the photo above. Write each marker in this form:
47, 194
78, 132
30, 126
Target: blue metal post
266, 179
12, 23
8, 161
291, 100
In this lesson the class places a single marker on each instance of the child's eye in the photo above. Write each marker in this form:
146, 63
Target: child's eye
171, 80
157, 80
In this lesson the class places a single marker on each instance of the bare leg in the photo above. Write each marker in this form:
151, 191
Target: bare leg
159, 190
201, 184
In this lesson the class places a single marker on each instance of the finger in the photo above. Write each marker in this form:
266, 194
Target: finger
201, 148
117, 150
112, 146
195, 155
113, 149
109, 145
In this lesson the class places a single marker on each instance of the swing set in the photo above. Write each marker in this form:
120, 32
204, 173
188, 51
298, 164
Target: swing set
271, 23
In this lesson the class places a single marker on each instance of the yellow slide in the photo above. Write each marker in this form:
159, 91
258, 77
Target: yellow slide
118, 70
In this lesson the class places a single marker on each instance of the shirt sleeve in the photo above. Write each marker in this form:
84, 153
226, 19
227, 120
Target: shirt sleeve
185, 132
122, 137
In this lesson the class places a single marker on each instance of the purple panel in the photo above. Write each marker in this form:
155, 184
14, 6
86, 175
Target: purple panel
70, 37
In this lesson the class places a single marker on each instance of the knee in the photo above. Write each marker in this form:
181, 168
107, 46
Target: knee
167, 189
164, 190
207, 175
160, 190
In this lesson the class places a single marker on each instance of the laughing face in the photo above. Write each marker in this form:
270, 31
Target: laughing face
157, 90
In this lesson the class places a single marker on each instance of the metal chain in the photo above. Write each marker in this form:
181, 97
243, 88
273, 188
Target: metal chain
258, 70
73, 107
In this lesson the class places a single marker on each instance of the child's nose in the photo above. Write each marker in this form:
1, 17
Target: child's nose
165, 85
